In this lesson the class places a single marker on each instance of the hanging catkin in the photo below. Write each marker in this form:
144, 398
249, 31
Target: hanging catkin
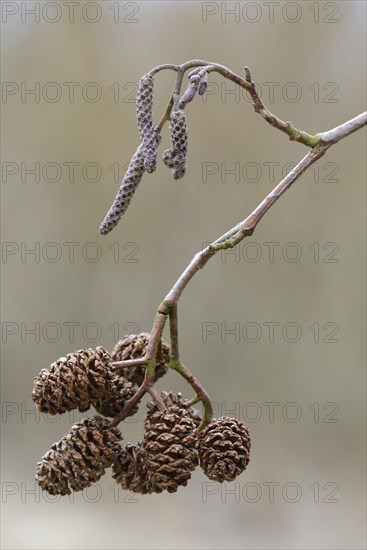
128, 187
144, 115
176, 157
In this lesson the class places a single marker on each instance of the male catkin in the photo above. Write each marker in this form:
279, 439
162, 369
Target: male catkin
144, 115
127, 188
176, 157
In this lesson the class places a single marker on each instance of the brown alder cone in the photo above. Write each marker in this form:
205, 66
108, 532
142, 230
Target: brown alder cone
169, 399
130, 471
80, 458
120, 391
224, 449
73, 382
169, 444
133, 346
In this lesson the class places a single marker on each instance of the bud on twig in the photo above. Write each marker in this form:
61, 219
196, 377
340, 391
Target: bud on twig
247, 72
194, 72
203, 84
190, 92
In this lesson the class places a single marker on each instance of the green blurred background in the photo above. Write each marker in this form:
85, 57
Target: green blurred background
302, 391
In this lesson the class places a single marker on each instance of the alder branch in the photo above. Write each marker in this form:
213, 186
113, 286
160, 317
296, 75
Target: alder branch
172, 445
319, 144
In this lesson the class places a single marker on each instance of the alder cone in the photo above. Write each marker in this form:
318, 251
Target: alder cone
130, 471
170, 399
73, 382
134, 346
80, 458
169, 444
224, 449
119, 392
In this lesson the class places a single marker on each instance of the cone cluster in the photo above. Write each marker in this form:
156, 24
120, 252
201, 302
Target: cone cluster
172, 447
173, 444
164, 459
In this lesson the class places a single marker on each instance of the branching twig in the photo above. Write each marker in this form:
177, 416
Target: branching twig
149, 360
319, 144
199, 388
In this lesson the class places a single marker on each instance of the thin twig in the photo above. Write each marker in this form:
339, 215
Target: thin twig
249, 85
157, 398
140, 361
131, 404
150, 359
199, 388
173, 323
193, 401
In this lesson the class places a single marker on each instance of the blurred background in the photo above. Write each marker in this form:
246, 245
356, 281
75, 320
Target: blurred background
274, 330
